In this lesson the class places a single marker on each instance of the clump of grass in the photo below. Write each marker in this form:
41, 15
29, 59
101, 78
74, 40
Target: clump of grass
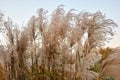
110, 65
59, 47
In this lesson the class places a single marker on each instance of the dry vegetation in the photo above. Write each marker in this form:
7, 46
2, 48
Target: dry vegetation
63, 46
110, 67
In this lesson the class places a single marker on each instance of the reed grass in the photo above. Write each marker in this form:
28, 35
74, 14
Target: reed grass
58, 47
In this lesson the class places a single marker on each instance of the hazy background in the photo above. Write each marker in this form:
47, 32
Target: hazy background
21, 10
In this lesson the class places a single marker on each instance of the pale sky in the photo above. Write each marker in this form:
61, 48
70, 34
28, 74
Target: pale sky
21, 10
